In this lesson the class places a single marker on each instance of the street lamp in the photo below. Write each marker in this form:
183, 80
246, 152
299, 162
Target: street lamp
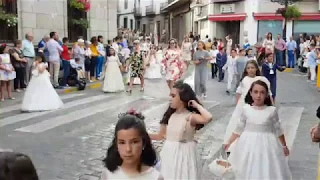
282, 11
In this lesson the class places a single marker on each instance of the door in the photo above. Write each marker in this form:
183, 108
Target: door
144, 28
131, 24
233, 28
125, 22
158, 30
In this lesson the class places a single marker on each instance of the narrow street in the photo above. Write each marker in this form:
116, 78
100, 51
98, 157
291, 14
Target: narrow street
69, 143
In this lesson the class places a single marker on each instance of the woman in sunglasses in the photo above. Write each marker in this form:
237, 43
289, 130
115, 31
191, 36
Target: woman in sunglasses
173, 63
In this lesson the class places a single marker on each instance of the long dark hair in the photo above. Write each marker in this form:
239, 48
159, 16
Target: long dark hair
130, 119
186, 94
16, 166
248, 99
245, 73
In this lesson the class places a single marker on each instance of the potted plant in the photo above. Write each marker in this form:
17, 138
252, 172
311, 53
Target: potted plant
10, 19
81, 22
83, 5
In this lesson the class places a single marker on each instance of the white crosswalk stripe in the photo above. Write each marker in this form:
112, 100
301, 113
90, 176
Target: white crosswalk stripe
18, 106
76, 115
28, 116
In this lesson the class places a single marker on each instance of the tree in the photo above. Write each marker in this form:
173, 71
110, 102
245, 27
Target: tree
288, 12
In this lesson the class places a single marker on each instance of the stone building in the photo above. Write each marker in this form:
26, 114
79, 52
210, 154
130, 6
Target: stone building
126, 17
251, 19
41, 17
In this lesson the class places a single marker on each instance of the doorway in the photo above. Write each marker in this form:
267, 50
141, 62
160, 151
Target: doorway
233, 28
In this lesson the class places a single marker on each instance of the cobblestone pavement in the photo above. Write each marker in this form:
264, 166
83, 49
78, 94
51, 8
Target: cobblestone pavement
70, 143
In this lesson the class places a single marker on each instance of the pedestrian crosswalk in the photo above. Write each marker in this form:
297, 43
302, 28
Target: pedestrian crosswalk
80, 106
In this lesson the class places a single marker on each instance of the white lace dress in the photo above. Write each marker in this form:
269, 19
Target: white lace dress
258, 153
40, 94
113, 81
150, 174
243, 89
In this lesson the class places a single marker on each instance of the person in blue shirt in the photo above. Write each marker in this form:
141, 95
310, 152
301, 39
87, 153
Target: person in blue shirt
42, 46
269, 70
221, 61
291, 47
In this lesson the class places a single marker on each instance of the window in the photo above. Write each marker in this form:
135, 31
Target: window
75, 30
309, 27
125, 22
131, 24
275, 27
8, 34
138, 25
125, 4
144, 28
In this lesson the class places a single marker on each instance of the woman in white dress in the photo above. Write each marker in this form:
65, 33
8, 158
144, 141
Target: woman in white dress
229, 44
261, 148
131, 155
184, 116
40, 95
186, 50
153, 67
269, 43
250, 75
113, 81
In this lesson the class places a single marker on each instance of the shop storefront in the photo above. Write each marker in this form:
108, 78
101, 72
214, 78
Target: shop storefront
265, 26
309, 27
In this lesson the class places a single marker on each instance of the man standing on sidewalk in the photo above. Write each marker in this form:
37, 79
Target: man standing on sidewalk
280, 47
291, 47
54, 49
29, 54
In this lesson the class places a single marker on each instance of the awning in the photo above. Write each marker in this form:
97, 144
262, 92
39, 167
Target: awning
227, 17
274, 16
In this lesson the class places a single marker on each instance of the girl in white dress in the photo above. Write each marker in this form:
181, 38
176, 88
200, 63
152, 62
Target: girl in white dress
261, 148
250, 75
7, 72
232, 69
40, 95
186, 50
131, 155
113, 81
178, 126
153, 67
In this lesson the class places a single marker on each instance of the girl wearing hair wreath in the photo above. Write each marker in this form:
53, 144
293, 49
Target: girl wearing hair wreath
131, 155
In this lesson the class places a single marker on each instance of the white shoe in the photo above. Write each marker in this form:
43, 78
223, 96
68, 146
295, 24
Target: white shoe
18, 90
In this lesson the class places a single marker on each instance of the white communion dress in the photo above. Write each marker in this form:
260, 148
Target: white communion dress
258, 153
150, 174
40, 94
153, 71
113, 81
243, 89
179, 152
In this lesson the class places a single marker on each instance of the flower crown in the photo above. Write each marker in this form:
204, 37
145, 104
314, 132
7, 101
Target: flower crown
132, 112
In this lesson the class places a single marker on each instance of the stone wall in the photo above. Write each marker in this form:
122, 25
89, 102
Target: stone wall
43, 16
103, 18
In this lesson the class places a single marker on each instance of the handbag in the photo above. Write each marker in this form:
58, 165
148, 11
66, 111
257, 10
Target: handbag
221, 167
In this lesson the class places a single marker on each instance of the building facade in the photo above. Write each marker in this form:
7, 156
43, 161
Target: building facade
149, 15
126, 17
42, 17
251, 19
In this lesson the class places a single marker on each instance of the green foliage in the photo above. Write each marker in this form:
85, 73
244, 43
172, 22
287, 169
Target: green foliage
292, 12
10, 19
81, 22
76, 4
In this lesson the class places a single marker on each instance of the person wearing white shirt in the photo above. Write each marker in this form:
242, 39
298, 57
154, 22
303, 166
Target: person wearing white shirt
102, 54
115, 45
213, 61
54, 49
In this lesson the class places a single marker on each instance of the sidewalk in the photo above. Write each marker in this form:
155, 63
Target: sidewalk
92, 85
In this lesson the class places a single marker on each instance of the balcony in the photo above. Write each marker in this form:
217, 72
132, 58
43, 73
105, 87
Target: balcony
137, 12
150, 10
163, 7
